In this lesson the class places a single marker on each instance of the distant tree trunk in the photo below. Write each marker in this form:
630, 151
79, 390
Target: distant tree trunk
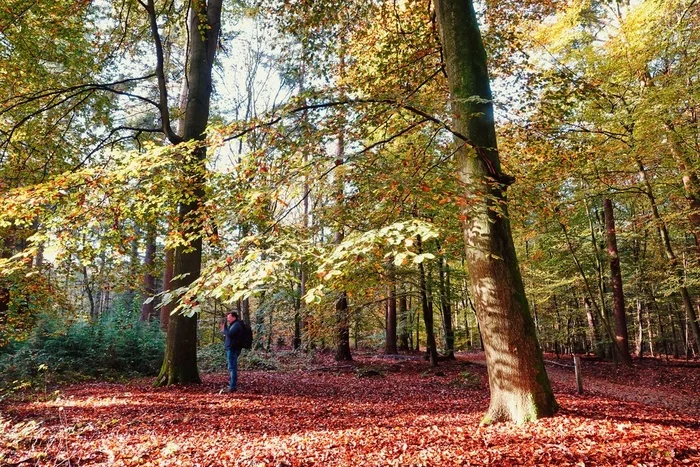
639, 343
650, 334
604, 348
691, 183
391, 318
446, 305
87, 286
427, 310
341, 304
592, 328
404, 327
167, 308
245, 310
343, 329
133, 286
298, 309
149, 279
180, 362
676, 267
342, 320
520, 389
621, 335
259, 326
601, 312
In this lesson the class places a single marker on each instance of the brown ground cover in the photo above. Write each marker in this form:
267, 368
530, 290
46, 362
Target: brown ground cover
374, 412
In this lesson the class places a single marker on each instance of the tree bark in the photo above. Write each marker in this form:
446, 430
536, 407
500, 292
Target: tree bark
621, 335
343, 329
676, 267
520, 388
167, 308
404, 325
391, 319
446, 306
180, 362
149, 279
431, 347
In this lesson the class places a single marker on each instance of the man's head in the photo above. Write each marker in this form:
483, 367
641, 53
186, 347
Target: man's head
231, 316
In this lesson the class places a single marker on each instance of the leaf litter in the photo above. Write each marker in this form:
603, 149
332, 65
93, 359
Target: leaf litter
407, 414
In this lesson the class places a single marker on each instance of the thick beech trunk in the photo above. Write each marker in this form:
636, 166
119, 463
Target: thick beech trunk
520, 388
180, 362
621, 335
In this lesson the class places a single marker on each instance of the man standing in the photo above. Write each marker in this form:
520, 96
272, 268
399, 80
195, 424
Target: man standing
232, 330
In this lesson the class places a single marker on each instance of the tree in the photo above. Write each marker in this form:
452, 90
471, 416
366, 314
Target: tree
180, 361
621, 337
520, 389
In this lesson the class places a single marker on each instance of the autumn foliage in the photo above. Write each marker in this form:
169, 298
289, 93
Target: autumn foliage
376, 411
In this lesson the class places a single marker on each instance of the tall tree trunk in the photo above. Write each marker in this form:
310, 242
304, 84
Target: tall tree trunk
691, 183
592, 329
88, 287
149, 279
650, 334
431, 347
245, 310
603, 347
639, 342
167, 308
445, 304
180, 362
342, 352
675, 265
342, 320
621, 335
391, 319
298, 309
520, 388
404, 325
601, 313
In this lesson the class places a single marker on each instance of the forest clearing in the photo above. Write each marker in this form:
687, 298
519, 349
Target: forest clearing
403, 413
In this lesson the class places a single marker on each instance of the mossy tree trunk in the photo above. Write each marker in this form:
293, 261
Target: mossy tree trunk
520, 388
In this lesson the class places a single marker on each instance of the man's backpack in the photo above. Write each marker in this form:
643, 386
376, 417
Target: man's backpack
246, 340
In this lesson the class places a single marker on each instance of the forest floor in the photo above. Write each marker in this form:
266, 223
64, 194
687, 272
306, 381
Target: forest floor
375, 411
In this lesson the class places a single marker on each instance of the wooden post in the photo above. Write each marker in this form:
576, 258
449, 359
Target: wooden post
577, 371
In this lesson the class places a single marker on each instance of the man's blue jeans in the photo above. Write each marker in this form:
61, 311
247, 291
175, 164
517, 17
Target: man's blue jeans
232, 355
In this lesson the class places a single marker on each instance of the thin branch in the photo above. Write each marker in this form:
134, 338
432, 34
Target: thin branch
160, 74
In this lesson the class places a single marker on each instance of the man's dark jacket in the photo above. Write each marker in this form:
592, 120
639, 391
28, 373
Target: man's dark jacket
233, 335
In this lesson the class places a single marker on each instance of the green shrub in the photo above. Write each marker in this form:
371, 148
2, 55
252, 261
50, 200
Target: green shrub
60, 350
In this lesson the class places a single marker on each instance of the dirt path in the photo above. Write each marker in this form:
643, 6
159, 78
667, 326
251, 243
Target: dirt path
666, 397
660, 386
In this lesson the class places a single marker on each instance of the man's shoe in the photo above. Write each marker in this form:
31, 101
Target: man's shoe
230, 390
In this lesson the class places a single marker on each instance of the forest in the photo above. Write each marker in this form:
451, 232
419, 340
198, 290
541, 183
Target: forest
435, 216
